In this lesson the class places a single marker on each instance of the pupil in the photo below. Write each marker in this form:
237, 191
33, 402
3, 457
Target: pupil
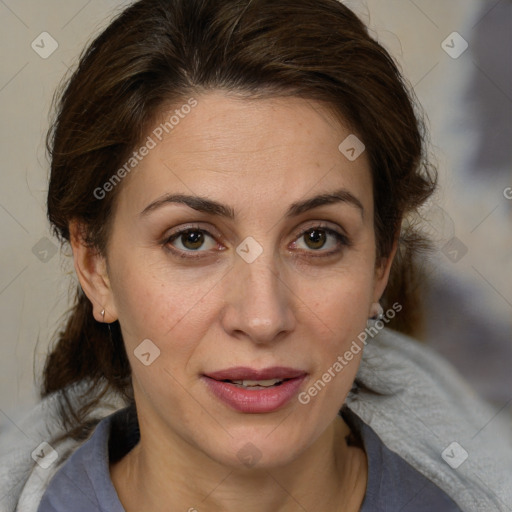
193, 239
316, 237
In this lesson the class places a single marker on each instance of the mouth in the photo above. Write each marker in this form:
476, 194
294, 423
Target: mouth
256, 384
255, 391
241, 374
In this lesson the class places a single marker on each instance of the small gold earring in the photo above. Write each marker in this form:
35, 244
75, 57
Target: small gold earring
103, 315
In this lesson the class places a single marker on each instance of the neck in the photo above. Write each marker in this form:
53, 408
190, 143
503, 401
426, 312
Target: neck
328, 475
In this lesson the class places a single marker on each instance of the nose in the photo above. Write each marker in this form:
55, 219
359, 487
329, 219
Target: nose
259, 304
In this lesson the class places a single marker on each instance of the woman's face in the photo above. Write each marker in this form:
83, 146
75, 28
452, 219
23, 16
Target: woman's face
266, 278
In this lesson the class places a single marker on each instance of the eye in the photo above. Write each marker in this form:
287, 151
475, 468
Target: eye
321, 239
191, 240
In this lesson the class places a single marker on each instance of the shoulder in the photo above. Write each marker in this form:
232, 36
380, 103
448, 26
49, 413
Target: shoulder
422, 410
84, 478
393, 484
31, 454
28, 456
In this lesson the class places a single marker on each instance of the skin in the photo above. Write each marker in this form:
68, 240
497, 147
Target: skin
291, 307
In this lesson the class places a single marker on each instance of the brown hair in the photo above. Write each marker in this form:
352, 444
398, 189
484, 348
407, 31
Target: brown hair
159, 52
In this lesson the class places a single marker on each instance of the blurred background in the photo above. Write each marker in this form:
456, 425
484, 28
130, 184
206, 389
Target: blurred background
455, 54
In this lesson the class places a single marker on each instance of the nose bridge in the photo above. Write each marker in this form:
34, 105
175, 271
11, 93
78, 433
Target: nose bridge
258, 301
261, 280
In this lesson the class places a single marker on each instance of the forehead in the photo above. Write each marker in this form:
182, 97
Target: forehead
241, 151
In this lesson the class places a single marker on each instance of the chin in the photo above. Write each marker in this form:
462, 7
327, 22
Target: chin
264, 449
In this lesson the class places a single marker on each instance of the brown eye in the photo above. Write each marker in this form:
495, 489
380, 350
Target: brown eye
315, 238
192, 240
321, 240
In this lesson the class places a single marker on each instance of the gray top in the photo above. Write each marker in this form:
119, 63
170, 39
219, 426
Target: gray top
84, 480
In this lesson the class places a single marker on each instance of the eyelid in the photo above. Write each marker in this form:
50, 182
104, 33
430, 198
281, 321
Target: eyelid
327, 226
193, 227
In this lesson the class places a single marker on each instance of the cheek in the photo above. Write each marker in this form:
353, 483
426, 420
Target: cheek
333, 375
171, 308
339, 300
338, 311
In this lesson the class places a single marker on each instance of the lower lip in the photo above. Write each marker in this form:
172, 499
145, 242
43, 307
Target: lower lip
254, 400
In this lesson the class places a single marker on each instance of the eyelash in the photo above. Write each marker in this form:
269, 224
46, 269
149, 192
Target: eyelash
342, 241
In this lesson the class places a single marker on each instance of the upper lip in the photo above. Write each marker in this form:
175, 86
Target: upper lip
246, 373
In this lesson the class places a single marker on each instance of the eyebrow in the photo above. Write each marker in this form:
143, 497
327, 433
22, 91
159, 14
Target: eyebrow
209, 206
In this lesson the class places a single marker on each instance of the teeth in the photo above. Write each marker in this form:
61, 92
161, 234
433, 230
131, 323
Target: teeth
263, 383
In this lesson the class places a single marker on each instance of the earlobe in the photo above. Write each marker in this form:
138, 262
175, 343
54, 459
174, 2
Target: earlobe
91, 270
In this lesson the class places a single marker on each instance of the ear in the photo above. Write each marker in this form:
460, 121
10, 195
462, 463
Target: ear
91, 270
382, 271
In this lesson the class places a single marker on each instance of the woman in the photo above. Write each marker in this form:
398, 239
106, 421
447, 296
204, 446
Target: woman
234, 178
